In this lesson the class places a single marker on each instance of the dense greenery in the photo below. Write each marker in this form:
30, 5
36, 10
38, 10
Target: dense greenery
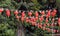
9, 25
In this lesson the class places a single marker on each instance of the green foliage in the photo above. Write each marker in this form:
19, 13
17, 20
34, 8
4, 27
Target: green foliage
58, 3
36, 5
8, 26
10, 32
6, 4
5, 31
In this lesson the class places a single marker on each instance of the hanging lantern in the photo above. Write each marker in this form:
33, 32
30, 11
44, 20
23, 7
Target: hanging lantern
43, 13
27, 19
47, 16
17, 17
53, 13
53, 20
52, 25
29, 13
40, 26
22, 19
36, 18
8, 12
44, 25
23, 14
46, 20
33, 23
16, 12
33, 19
49, 13
55, 10
36, 14
48, 29
41, 18
59, 21
54, 31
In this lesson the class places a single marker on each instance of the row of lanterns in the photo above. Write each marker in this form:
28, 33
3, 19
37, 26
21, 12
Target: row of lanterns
33, 17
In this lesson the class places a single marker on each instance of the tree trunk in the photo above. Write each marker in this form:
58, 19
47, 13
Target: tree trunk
20, 30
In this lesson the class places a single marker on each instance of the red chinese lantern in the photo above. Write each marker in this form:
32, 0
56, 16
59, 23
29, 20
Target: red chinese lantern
8, 12
44, 25
48, 13
36, 14
30, 20
42, 12
17, 17
40, 26
46, 20
52, 25
23, 14
41, 18
47, 16
36, 18
59, 21
30, 13
22, 19
48, 29
27, 19
1, 10
53, 20
33, 19
16, 12
55, 10
33, 23
54, 31
53, 13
